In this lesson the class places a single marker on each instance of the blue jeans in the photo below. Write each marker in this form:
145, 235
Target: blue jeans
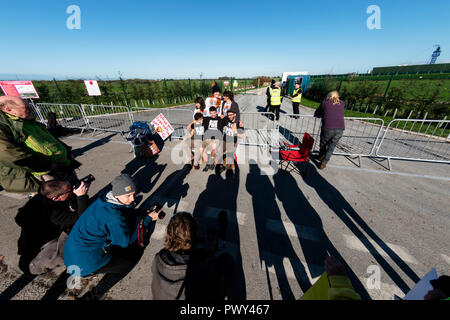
329, 138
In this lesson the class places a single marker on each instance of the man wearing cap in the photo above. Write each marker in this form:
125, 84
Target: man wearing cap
29, 153
107, 224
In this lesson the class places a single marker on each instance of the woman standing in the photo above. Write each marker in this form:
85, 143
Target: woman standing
331, 110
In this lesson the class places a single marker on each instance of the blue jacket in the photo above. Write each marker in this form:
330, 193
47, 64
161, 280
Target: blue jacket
102, 225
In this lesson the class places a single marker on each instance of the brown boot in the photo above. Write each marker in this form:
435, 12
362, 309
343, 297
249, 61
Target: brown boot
323, 165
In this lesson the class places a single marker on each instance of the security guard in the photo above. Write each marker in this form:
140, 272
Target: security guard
296, 98
275, 100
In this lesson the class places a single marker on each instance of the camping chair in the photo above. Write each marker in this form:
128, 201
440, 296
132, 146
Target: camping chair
299, 153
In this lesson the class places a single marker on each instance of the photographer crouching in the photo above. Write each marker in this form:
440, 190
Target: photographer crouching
46, 221
109, 236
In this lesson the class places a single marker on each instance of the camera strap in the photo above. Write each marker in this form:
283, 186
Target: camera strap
140, 234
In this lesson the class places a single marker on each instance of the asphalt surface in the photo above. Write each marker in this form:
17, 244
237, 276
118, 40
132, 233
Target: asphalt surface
280, 226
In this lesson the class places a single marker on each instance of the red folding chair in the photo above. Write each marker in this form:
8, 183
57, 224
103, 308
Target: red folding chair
293, 155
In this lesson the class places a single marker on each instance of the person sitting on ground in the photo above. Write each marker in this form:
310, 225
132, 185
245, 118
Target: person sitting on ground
232, 130
227, 104
333, 284
29, 153
195, 140
212, 138
331, 110
187, 269
109, 224
46, 220
200, 107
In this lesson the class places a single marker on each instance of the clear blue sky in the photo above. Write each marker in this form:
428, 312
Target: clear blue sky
180, 39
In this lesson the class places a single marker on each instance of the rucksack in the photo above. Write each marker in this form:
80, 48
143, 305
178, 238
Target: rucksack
139, 133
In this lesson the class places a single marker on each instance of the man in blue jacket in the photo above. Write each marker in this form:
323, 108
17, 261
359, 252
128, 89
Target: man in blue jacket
108, 224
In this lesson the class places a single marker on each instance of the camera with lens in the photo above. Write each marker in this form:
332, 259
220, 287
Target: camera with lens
87, 180
156, 207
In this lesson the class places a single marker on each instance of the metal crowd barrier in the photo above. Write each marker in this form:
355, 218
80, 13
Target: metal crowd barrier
409, 139
67, 115
360, 136
107, 118
177, 117
359, 139
259, 129
292, 127
415, 139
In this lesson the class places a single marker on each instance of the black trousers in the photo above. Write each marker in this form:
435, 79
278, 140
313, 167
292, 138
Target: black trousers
295, 107
276, 110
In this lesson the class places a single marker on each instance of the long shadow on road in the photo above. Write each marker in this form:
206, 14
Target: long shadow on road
274, 245
221, 194
315, 243
336, 202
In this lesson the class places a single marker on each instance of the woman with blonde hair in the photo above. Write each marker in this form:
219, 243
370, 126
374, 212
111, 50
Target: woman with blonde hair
331, 110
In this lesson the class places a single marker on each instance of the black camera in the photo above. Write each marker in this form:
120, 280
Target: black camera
161, 215
87, 180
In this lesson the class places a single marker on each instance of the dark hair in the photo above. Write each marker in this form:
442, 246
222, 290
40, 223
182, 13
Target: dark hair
181, 232
52, 188
229, 94
198, 116
200, 101
212, 108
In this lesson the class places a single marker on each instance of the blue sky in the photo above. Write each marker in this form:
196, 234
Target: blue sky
180, 39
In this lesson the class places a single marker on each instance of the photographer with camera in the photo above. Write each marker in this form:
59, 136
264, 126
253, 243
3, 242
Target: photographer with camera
46, 220
103, 239
189, 267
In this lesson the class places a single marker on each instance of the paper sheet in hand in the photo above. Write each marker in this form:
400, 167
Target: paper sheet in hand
422, 287
162, 126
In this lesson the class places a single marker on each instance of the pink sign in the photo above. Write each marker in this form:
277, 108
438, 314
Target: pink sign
23, 89
162, 126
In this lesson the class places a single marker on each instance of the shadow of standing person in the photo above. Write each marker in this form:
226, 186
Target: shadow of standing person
336, 202
273, 247
315, 244
221, 194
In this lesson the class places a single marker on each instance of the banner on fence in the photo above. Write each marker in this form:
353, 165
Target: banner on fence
23, 89
162, 126
92, 87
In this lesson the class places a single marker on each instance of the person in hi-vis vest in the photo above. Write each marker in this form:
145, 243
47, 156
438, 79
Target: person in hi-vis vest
296, 98
275, 100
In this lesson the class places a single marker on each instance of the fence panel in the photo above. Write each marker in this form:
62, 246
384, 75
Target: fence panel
360, 136
416, 139
67, 115
177, 117
359, 139
260, 130
292, 127
107, 118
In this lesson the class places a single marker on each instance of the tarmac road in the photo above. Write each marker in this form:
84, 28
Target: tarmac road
280, 226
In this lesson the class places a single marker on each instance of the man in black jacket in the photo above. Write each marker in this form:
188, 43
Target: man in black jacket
46, 220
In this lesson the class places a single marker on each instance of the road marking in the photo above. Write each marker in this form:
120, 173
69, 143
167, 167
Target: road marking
392, 173
355, 243
212, 212
293, 230
446, 258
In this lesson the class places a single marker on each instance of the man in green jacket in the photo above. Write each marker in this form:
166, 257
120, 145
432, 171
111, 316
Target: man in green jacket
29, 153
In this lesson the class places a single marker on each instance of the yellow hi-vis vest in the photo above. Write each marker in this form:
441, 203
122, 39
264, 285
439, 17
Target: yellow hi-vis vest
43, 144
297, 98
275, 96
